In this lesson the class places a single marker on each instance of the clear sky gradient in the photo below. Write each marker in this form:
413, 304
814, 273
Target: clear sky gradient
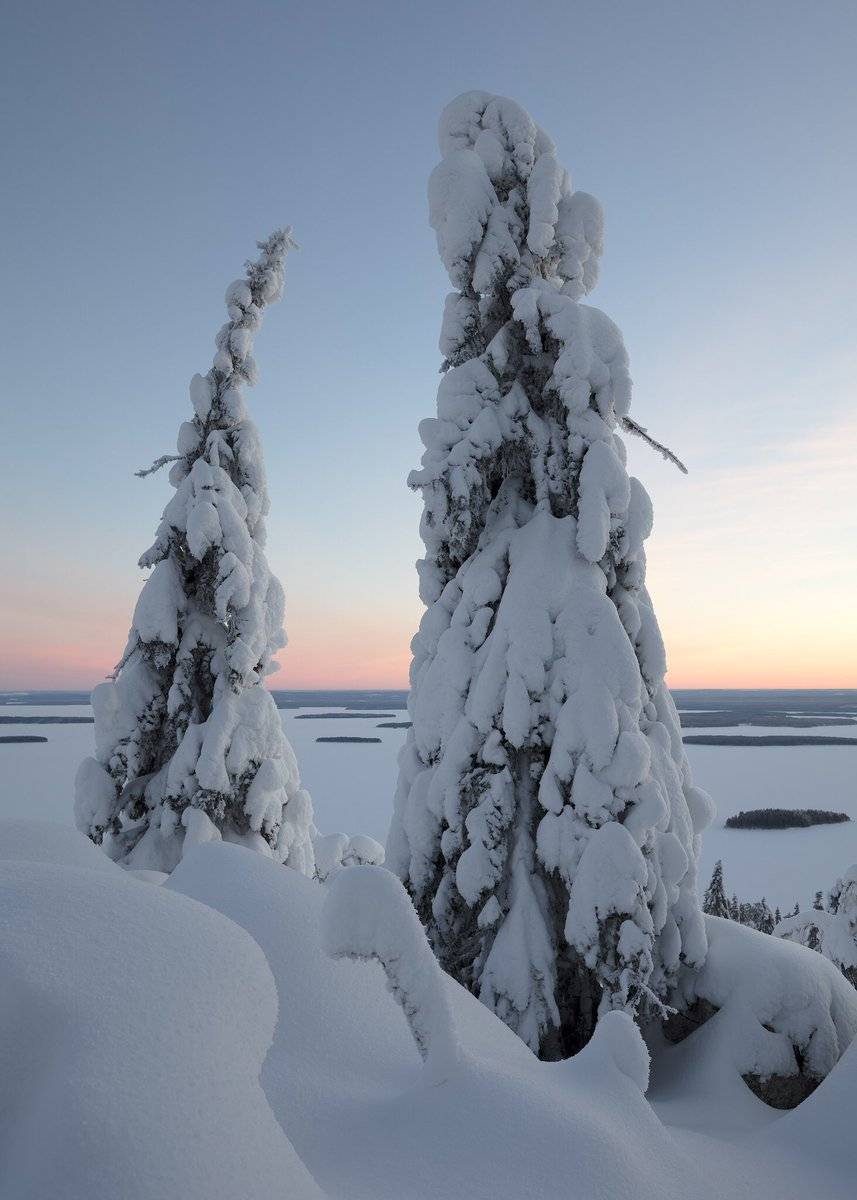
145, 148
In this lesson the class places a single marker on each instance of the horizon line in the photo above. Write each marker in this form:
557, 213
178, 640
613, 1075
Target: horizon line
808, 687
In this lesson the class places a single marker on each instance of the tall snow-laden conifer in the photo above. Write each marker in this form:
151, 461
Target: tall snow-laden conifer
189, 744
545, 823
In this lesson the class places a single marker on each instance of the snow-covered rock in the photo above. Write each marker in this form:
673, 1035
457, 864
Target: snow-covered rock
346, 1080
33, 841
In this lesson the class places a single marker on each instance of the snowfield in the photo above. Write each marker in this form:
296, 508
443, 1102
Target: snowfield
194, 1040
352, 789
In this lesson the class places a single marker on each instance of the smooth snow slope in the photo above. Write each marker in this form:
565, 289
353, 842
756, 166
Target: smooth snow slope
137, 1024
133, 1026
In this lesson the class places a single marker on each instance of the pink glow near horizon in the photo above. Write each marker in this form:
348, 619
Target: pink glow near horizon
324, 659
766, 603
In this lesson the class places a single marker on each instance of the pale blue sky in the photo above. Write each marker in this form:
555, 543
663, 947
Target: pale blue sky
146, 147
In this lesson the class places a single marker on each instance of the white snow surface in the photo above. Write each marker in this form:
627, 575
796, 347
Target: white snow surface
133, 1026
195, 1041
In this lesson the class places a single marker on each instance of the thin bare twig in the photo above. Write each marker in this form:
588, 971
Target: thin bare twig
665, 452
125, 657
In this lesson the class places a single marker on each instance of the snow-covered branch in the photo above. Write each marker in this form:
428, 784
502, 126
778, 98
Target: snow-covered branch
367, 915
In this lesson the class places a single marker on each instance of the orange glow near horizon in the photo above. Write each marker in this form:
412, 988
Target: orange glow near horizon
372, 656
752, 573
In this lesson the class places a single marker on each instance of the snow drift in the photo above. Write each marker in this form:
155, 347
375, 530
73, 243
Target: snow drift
196, 1040
133, 1026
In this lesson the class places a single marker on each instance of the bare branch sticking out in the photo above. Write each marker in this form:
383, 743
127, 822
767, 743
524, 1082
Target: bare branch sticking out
156, 465
631, 426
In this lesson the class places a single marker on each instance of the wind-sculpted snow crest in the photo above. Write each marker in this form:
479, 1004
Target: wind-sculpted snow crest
546, 823
368, 915
189, 744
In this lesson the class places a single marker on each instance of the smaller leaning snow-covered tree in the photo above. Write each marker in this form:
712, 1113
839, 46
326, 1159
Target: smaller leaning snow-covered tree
189, 743
831, 931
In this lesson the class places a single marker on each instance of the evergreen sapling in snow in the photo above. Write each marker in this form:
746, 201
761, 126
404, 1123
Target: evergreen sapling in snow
189, 743
546, 824
715, 902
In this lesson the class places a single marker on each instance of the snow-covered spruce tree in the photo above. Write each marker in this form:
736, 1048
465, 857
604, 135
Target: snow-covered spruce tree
545, 821
189, 743
715, 902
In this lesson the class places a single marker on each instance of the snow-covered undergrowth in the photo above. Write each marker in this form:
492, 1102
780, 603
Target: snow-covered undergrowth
772, 1002
195, 1040
831, 930
334, 850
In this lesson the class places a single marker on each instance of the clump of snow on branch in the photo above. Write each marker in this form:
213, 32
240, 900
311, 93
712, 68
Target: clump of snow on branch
189, 744
368, 915
546, 824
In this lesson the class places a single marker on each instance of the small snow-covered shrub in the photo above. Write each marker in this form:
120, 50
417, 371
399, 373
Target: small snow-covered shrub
831, 931
618, 1040
546, 822
189, 743
783, 1015
335, 850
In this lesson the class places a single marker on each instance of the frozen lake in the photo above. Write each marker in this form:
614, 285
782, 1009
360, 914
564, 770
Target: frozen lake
352, 787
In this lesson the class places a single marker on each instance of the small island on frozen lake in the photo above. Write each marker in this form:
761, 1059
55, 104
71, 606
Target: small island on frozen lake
784, 818
344, 738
